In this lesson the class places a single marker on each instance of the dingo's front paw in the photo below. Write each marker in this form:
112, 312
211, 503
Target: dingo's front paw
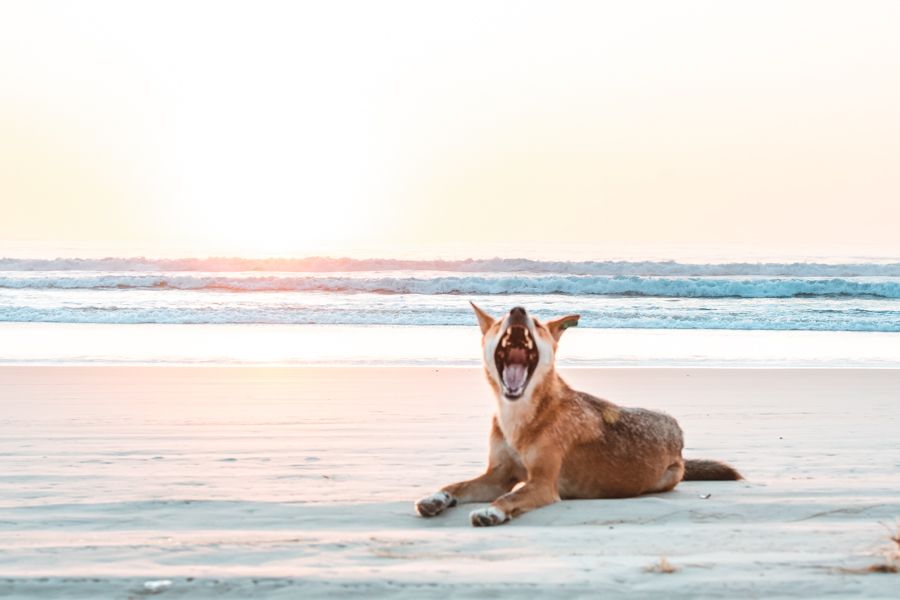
434, 504
486, 517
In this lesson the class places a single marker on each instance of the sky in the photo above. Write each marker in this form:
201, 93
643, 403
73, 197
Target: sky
318, 127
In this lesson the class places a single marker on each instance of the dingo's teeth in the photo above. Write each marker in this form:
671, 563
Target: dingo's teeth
526, 335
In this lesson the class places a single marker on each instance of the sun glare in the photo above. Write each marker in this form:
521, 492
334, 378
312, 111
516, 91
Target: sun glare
269, 225
621, 124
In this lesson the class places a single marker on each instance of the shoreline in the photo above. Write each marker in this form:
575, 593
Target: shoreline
441, 346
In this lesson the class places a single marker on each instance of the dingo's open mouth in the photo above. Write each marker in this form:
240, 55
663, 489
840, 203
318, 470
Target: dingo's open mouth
516, 358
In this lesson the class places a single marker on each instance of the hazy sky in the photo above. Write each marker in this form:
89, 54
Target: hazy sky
298, 127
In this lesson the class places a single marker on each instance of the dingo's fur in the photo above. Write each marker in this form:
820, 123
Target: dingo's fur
561, 443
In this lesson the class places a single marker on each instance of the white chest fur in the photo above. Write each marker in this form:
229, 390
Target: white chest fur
512, 415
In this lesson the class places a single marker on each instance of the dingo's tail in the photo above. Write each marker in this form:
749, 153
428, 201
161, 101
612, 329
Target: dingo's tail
709, 470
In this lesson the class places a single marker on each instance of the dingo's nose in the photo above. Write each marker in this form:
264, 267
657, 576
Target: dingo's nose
517, 316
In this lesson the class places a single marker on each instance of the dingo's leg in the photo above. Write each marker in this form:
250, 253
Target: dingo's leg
670, 478
485, 488
504, 471
539, 490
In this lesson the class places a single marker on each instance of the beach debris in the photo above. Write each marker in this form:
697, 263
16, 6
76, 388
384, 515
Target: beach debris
876, 568
704, 496
892, 556
883, 568
663, 566
891, 562
157, 586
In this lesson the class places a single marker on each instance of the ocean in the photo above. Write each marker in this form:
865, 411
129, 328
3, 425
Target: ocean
628, 300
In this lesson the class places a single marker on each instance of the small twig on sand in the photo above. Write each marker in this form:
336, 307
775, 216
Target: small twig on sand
876, 568
663, 566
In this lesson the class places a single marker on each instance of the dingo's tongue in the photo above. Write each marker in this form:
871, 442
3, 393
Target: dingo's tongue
514, 376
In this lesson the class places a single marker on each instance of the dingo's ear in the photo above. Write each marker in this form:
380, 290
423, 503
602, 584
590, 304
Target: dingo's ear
484, 320
557, 326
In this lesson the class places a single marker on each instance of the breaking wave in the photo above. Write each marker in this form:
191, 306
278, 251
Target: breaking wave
576, 285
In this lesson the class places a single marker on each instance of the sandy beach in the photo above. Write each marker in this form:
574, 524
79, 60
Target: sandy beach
193, 482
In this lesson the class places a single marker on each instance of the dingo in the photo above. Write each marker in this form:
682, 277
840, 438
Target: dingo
559, 442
